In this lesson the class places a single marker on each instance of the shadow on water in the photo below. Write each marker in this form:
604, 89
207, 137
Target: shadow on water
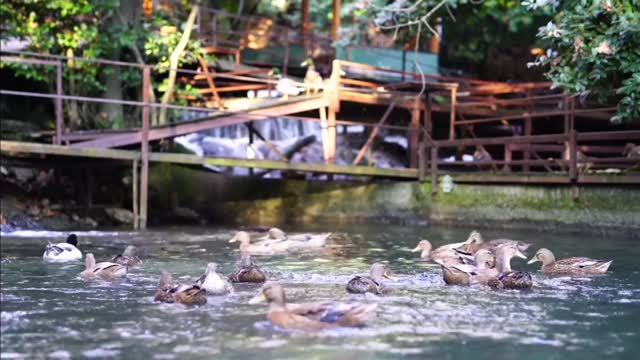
48, 311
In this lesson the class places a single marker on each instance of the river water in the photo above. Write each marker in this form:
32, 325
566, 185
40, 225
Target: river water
48, 311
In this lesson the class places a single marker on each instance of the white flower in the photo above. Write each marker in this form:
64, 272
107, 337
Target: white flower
534, 4
550, 31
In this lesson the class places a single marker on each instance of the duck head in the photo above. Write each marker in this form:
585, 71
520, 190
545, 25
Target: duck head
308, 62
166, 280
504, 253
379, 271
242, 237
275, 73
271, 292
545, 256
130, 251
90, 261
212, 268
424, 246
72, 239
276, 234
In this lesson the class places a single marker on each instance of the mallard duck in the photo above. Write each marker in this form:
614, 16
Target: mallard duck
169, 292
128, 257
570, 266
312, 79
508, 279
282, 239
478, 272
310, 317
262, 248
372, 283
248, 272
475, 242
213, 283
102, 270
66, 251
445, 253
284, 85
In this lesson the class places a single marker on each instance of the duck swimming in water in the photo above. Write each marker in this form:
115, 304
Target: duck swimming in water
445, 253
310, 317
169, 292
369, 284
102, 270
475, 242
128, 257
570, 266
507, 278
248, 272
61, 252
469, 274
213, 283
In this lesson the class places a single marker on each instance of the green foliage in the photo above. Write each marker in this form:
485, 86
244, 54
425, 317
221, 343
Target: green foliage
594, 50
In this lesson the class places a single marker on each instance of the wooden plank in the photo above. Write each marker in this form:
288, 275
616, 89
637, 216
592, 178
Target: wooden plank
609, 135
501, 140
373, 135
144, 170
281, 165
221, 119
36, 148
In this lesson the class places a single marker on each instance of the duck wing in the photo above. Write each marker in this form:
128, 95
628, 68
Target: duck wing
363, 284
513, 280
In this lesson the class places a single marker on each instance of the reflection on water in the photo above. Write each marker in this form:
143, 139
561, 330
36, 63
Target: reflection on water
48, 311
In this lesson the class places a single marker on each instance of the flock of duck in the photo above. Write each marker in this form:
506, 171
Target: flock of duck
474, 262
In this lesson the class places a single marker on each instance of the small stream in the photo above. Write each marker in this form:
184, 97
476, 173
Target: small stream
49, 312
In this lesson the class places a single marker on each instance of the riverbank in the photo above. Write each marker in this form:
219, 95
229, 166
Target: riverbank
272, 201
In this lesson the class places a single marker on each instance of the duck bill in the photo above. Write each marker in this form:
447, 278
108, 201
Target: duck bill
520, 254
260, 298
532, 260
387, 276
233, 239
418, 248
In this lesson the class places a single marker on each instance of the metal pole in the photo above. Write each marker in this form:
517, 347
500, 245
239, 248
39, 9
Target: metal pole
59, 114
144, 176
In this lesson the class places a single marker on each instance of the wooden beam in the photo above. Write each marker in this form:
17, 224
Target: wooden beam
414, 135
335, 26
373, 134
144, 147
16, 147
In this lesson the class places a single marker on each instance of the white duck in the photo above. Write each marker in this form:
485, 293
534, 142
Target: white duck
284, 85
60, 252
213, 283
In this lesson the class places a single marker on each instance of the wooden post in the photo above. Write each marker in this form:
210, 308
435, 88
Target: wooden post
287, 50
434, 170
374, 133
331, 124
59, 114
333, 99
527, 132
134, 180
144, 176
508, 156
565, 106
452, 125
324, 130
305, 26
414, 134
214, 30
573, 156
421, 161
335, 26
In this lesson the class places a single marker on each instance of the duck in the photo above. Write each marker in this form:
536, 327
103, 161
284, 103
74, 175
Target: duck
169, 292
312, 79
369, 284
261, 248
284, 85
213, 283
631, 151
470, 274
128, 257
569, 266
65, 251
310, 317
507, 278
449, 253
475, 242
275, 235
103, 270
248, 272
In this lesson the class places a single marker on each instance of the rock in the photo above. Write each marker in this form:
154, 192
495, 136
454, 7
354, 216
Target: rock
120, 215
186, 214
90, 222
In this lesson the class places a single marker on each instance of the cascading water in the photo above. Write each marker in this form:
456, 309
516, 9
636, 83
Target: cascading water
300, 141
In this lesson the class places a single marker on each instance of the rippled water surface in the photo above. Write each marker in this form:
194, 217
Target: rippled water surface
47, 311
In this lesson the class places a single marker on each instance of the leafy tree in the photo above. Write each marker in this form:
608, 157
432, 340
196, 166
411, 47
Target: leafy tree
594, 50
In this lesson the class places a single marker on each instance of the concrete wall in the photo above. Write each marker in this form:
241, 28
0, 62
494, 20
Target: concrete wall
262, 201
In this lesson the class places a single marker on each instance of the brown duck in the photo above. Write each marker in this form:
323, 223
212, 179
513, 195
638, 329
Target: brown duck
310, 317
369, 284
169, 292
467, 274
475, 242
508, 279
248, 272
102, 270
445, 253
128, 257
570, 266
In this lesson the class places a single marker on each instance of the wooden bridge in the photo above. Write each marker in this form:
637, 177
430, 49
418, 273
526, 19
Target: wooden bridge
463, 107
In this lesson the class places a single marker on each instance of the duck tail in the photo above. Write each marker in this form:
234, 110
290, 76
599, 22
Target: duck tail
603, 266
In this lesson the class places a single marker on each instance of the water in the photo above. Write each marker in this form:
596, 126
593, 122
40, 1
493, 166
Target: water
47, 311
